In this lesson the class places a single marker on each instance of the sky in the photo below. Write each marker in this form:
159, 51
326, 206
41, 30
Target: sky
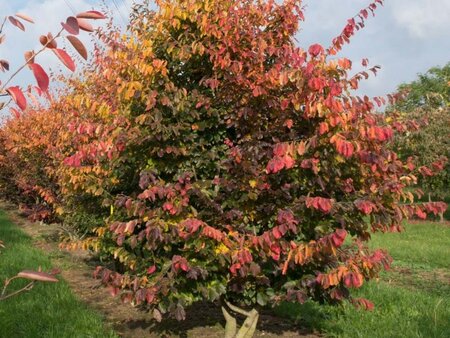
406, 37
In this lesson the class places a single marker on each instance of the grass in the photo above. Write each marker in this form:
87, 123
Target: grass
48, 310
411, 300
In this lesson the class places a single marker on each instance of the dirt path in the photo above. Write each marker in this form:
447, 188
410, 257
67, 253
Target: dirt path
203, 320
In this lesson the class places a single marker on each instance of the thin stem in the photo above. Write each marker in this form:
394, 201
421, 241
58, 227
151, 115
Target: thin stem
7, 282
26, 62
27, 287
3, 24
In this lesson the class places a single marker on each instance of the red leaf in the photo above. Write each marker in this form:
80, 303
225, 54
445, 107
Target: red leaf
91, 15
319, 203
85, 25
78, 45
288, 123
17, 96
275, 251
421, 214
71, 25
41, 76
366, 304
65, 58
151, 269
16, 22
365, 206
24, 17
315, 50
37, 276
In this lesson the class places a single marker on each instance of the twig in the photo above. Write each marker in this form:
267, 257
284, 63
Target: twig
26, 61
3, 24
27, 287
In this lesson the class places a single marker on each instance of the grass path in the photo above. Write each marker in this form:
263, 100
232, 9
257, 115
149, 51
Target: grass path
411, 300
48, 310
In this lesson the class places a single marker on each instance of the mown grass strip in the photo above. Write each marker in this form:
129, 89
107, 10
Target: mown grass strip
48, 310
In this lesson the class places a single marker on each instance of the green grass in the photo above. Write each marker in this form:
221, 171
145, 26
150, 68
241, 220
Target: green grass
412, 300
49, 309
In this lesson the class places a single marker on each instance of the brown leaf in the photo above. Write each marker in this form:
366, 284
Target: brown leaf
4, 65
78, 45
29, 56
16, 22
71, 25
51, 41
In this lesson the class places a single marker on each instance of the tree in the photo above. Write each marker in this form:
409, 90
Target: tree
231, 165
235, 165
427, 101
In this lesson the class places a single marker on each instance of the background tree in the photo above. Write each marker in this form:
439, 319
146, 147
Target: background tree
427, 101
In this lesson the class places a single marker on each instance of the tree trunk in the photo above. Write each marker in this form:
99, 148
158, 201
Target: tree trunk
248, 328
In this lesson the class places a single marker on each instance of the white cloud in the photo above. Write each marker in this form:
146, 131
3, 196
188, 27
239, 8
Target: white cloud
423, 18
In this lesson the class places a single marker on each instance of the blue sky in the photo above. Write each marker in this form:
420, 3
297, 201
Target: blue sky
405, 38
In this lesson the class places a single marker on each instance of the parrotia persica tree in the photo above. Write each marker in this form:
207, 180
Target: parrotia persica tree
27, 135
231, 164
236, 166
24, 141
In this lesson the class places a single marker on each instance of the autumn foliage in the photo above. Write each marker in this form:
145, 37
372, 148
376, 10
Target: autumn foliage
217, 159
27, 138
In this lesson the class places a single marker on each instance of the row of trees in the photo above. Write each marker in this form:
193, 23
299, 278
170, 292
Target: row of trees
15, 94
211, 158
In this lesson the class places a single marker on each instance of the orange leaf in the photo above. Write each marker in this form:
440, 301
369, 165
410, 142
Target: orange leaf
65, 58
37, 276
24, 17
91, 15
17, 96
41, 76
16, 22
78, 45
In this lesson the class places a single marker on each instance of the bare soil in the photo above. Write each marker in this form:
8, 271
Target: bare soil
203, 320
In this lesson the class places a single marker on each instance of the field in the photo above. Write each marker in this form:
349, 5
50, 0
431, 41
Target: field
412, 300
